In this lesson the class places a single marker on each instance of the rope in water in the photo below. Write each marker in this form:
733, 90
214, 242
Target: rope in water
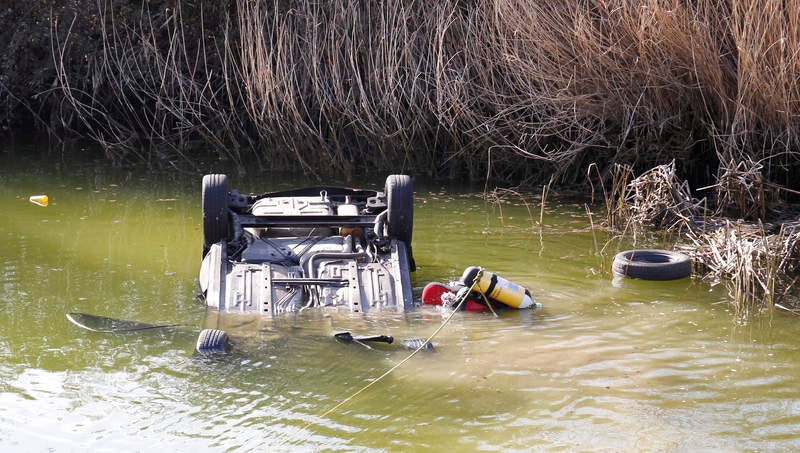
427, 341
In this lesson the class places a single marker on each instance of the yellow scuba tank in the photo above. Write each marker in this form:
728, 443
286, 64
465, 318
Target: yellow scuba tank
497, 288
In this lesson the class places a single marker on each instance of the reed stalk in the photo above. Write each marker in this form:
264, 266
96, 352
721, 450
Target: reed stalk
759, 262
433, 88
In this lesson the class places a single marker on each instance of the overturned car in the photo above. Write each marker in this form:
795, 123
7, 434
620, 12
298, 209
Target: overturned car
345, 249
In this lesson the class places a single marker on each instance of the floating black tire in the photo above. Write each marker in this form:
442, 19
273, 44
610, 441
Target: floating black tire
651, 265
400, 207
216, 224
212, 341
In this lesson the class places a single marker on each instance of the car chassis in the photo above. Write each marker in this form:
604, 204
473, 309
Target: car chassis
334, 247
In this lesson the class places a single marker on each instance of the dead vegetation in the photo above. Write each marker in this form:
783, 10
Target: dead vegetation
759, 262
510, 90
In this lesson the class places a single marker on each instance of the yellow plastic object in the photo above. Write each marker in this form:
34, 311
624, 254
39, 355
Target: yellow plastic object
41, 200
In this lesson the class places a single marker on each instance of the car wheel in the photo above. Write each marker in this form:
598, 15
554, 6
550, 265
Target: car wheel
212, 341
651, 265
400, 207
400, 211
215, 210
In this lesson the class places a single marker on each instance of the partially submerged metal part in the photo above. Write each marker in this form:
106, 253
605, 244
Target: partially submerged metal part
328, 279
347, 337
103, 324
294, 250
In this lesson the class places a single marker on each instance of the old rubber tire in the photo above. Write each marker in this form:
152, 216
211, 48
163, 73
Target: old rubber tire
216, 224
400, 207
212, 341
651, 265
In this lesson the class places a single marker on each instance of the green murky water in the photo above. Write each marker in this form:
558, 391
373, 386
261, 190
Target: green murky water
606, 365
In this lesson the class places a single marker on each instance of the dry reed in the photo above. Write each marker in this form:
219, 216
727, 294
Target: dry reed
758, 262
511, 89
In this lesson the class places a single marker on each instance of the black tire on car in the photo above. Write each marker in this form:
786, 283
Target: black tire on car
400, 207
212, 341
216, 223
649, 264
400, 212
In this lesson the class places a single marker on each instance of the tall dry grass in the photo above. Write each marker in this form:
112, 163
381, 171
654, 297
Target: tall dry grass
510, 89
